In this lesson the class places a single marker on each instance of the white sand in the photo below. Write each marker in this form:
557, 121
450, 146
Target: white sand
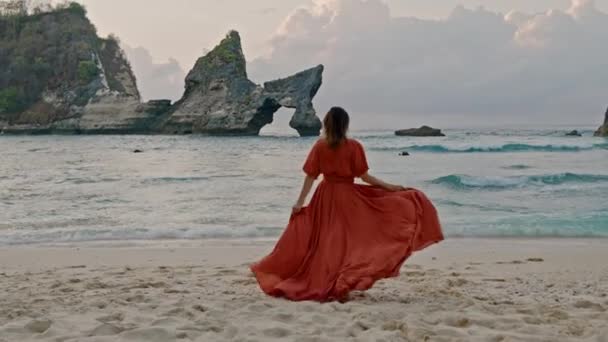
460, 290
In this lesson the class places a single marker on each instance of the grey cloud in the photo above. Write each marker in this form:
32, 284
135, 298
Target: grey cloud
267, 10
473, 65
156, 80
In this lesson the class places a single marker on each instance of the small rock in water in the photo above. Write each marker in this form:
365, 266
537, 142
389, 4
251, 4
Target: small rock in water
138, 151
404, 154
574, 133
424, 131
536, 259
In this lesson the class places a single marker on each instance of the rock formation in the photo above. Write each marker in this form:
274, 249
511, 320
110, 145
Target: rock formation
574, 133
424, 131
221, 100
603, 130
88, 87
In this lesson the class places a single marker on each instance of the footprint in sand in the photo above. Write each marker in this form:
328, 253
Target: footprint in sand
96, 285
67, 290
259, 307
357, 328
179, 312
456, 282
148, 335
513, 262
138, 298
283, 317
276, 332
175, 291
457, 322
231, 331
495, 280
167, 321
38, 326
395, 326
106, 329
534, 320
115, 317
199, 308
147, 285
100, 304
585, 304
558, 315
222, 272
248, 281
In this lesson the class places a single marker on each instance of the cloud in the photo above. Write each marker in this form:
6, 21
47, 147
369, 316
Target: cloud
156, 80
267, 10
473, 65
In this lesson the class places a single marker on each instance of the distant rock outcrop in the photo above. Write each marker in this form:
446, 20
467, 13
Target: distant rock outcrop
603, 130
221, 100
424, 131
574, 133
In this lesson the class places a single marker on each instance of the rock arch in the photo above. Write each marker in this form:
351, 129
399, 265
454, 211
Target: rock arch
220, 100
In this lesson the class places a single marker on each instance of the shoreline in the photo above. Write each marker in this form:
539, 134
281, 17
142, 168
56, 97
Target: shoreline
256, 241
458, 290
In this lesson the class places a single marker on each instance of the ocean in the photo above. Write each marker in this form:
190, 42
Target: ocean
484, 182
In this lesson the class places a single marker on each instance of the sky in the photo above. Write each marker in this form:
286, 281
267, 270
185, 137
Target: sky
440, 62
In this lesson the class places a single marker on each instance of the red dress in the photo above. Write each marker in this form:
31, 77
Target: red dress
349, 236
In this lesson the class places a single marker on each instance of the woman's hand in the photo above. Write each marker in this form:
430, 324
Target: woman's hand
395, 188
308, 182
297, 208
373, 181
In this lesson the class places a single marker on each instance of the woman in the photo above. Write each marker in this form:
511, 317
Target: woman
350, 235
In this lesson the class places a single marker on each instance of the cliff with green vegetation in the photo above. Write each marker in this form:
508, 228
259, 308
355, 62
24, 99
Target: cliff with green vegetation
42, 53
57, 75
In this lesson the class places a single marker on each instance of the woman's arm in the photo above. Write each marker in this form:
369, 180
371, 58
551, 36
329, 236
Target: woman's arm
308, 183
371, 180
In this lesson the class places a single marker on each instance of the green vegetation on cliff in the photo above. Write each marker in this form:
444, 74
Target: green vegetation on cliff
9, 99
87, 71
226, 57
54, 53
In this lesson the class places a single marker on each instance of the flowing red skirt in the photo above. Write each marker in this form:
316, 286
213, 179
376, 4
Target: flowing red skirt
349, 237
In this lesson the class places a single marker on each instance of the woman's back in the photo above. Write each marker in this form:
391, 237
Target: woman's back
347, 160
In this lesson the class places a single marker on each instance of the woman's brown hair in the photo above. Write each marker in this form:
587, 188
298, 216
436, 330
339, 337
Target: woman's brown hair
335, 126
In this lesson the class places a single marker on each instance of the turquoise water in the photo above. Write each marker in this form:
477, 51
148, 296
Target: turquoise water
499, 183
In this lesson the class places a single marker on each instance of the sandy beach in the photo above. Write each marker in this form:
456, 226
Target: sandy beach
460, 290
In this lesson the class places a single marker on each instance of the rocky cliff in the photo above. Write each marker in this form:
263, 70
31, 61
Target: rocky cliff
220, 99
58, 76
603, 130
